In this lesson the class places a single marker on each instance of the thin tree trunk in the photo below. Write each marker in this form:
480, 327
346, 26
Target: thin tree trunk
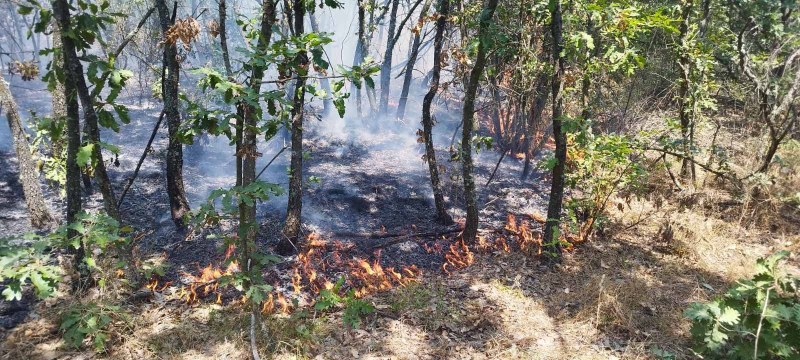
534, 120
684, 102
551, 236
223, 37
427, 120
226, 59
291, 228
73, 184
39, 213
471, 224
412, 59
386, 67
360, 54
247, 212
179, 206
75, 68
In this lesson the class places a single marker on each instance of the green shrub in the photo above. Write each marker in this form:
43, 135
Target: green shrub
354, 308
89, 321
756, 318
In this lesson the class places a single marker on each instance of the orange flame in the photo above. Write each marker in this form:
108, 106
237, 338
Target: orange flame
458, 257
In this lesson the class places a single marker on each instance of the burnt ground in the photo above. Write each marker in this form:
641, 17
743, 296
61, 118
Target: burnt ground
371, 180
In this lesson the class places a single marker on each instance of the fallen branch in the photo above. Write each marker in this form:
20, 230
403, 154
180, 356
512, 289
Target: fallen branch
496, 167
141, 159
725, 175
270, 162
383, 235
403, 238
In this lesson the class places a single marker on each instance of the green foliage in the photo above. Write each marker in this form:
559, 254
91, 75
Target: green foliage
756, 318
24, 260
89, 321
599, 166
29, 258
354, 308
49, 145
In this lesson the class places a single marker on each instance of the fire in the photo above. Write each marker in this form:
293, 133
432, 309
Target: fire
458, 256
206, 283
155, 286
373, 277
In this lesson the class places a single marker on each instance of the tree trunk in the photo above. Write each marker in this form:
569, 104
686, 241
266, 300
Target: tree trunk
427, 120
471, 224
386, 67
223, 37
551, 236
73, 184
74, 67
684, 102
39, 214
534, 120
179, 206
59, 103
291, 229
360, 54
412, 59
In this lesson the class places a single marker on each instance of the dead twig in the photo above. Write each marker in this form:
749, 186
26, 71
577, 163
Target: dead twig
141, 159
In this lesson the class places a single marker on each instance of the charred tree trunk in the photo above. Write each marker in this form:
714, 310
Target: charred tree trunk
412, 59
37, 209
427, 120
73, 184
551, 236
179, 206
291, 228
471, 224
386, 67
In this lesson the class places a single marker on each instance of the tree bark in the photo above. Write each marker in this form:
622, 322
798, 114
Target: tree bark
39, 213
684, 102
74, 68
73, 184
223, 37
427, 119
179, 206
534, 120
386, 67
471, 224
291, 228
551, 238
247, 213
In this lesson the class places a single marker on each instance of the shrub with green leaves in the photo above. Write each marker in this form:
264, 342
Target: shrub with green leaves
90, 321
30, 262
28, 258
354, 308
599, 166
756, 318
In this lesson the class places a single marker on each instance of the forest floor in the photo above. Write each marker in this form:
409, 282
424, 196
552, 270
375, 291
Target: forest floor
619, 295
